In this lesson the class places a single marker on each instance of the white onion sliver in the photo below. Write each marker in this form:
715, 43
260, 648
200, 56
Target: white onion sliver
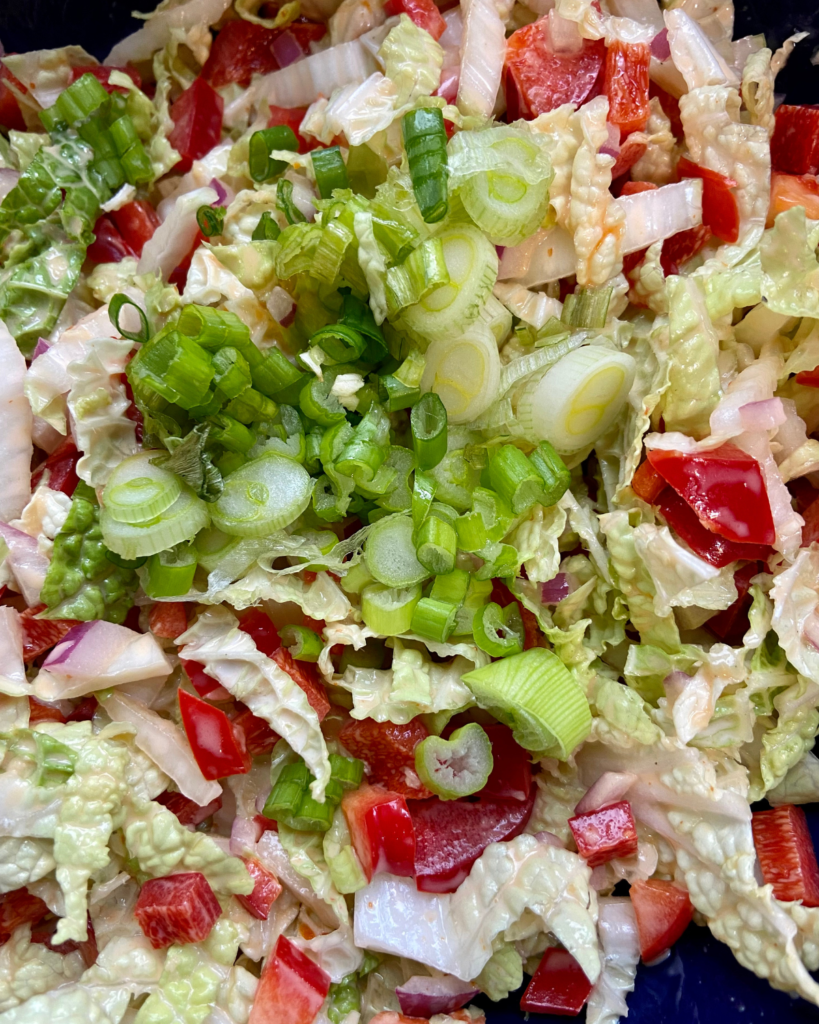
15, 429
482, 52
609, 789
659, 214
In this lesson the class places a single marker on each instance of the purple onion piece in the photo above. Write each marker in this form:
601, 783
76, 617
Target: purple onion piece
609, 789
287, 49
220, 190
41, 347
660, 47
72, 639
424, 997
555, 589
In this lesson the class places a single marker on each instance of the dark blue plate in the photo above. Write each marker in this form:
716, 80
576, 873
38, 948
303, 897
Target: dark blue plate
701, 982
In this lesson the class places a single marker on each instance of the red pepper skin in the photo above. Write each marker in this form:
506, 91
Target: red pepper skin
626, 85
450, 835
61, 466
647, 483
732, 624
188, 812
179, 275
631, 150
108, 246
102, 73
40, 635
716, 550
511, 775
382, 830
663, 911
389, 750
176, 909
719, 204
19, 907
84, 711
786, 854
292, 117
41, 712
44, 933
558, 986
604, 834
259, 737
725, 488
10, 114
168, 619
291, 988
197, 118
206, 686
683, 246
423, 13
266, 890
136, 222
795, 142
808, 378
536, 79
240, 50
218, 747
258, 625
306, 677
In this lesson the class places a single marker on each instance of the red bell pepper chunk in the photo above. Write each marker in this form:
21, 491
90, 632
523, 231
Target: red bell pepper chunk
631, 150
647, 483
219, 748
59, 471
84, 711
719, 204
726, 489
197, 118
206, 686
102, 73
40, 635
389, 750
168, 619
731, 625
177, 909
39, 711
19, 907
795, 142
381, 829
259, 737
632, 188
266, 890
716, 550
43, 932
511, 775
802, 494
258, 625
789, 190
786, 854
683, 246
306, 677
626, 85
450, 835
136, 222
559, 986
537, 79
108, 246
810, 531
808, 378
188, 812
604, 834
291, 988
423, 13
663, 911
240, 50
10, 114
179, 275
292, 117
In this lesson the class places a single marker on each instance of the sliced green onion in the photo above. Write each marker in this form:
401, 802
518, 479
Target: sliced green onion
465, 372
267, 230
586, 308
429, 430
425, 142
137, 165
552, 469
274, 373
232, 434
458, 766
538, 697
317, 403
434, 620
388, 610
285, 203
123, 134
175, 366
398, 496
477, 594
500, 560
263, 496
231, 372
422, 271
498, 631
515, 478
215, 328
124, 563
341, 343
348, 772
180, 522
437, 546
497, 514
451, 587
261, 165
395, 394
115, 304
366, 169
302, 643
138, 491
291, 804
170, 573
471, 530
229, 462
423, 492
362, 456
328, 166
252, 405
390, 553
577, 399
211, 220
79, 100
356, 579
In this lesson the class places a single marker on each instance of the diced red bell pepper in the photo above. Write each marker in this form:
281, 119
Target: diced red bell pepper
44, 933
726, 489
40, 635
240, 50
188, 812
304, 675
59, 470
789, 190
168, 619
450, 835
716, 550
179, 275
259, 626
626, 85
84, 711
786, 854
177, 909
802, 494
423, 13
292, 117
108, 246
795, 142
102, 73
19, 907
683, 246
206, 686
632, 188
632, 149
265, 824
663, 911
810, 531
647, 483
197, 118
604, 834
719, 204
291, 989
266, 890
136, 222
731, 625
558, 986
536, 79
39, 711
259, 737
389, 751
219, 747
10, 114
808, 378
511, 775
381, 829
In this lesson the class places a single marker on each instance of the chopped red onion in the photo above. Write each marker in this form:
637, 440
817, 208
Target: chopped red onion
550, 839
448, 87
41, 346
611, 147
287, 49
62, 652
767, 414
660, 48
609, 788
555, 589
424, 997
674, 684
810, 630
244, 835
220, 190
564, 35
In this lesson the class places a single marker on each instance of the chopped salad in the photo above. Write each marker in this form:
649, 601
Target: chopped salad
409, 538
